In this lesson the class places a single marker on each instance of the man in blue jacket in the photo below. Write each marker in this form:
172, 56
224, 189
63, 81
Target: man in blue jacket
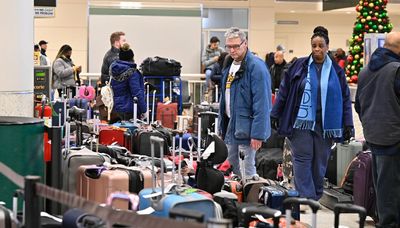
378, 106
245, 103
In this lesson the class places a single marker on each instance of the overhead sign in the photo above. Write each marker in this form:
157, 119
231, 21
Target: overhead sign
52, 3
44, 11
338, 4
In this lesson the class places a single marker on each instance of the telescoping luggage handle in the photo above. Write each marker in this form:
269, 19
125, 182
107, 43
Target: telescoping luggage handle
135, 100
265, 212
160, 141
349, 208
289, 202
174, 134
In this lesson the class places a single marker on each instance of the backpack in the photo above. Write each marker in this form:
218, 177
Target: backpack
107, 96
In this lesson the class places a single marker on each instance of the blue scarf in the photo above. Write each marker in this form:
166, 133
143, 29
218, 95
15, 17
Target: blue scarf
331, 101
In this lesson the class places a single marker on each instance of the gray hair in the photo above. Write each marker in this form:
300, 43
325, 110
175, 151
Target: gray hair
235, 32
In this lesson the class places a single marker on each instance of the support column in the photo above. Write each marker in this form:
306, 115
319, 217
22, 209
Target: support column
16, 58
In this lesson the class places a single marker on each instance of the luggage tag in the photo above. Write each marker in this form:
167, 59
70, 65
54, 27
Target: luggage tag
146, 211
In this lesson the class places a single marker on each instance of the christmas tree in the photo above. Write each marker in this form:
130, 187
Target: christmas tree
371, 18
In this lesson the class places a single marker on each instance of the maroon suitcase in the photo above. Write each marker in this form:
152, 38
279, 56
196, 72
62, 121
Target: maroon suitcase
167, 114
358, 180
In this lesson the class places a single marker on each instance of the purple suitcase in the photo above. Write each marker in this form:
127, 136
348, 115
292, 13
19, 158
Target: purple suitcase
363, 187
359, 179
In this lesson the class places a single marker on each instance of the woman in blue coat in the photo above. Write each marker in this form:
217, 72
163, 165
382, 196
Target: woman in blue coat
313, 109
126, 83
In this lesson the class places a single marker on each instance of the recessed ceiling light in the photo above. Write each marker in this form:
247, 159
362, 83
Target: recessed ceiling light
292, 11
348, 12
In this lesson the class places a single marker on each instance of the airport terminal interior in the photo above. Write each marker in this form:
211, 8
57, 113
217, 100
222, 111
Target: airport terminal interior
199, 113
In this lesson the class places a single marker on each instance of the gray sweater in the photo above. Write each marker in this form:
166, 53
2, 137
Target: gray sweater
208, 55
63, 73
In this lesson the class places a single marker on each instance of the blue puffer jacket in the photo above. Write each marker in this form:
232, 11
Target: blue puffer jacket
127, 82
288, 101
250, 102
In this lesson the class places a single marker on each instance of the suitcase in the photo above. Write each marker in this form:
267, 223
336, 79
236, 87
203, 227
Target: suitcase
349, 208
162, 203
97, 183
78, 102
167, 114
358, 182
141, 143
273, 196
109, 135
333, 195
340, 158
73, 159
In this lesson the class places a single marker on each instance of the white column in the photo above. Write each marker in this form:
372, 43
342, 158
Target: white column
16, 58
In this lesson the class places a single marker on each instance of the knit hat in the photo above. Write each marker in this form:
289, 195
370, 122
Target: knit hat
125, 53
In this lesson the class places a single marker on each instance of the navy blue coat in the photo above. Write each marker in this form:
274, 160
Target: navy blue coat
288, 100
126, 83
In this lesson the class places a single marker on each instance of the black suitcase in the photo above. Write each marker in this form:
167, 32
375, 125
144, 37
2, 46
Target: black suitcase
141, 143
333, 195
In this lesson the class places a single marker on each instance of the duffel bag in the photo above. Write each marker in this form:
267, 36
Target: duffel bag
159, 66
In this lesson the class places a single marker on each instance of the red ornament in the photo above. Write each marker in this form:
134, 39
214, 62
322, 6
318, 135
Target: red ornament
347, 72
376, 8
366, 3
385, 2
349, 58
354, 78
374, 18
384, 20
366, 27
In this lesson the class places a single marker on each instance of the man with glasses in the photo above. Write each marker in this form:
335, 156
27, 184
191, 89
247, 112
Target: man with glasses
245, 103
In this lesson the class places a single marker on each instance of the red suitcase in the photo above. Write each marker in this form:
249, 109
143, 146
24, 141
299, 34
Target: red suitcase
167, 114
109, 135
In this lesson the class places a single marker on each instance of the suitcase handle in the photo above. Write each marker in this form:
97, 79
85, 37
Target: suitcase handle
266, 212
160, 141
131, 198
289, 202
314, 205
349, 208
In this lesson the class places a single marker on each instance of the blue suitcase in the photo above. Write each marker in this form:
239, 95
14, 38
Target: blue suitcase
163, 202
273, 196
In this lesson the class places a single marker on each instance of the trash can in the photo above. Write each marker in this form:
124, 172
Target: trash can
21, 149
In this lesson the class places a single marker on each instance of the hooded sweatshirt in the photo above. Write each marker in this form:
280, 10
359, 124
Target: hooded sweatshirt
378, 100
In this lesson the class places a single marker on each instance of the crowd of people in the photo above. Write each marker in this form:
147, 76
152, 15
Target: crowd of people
312, 109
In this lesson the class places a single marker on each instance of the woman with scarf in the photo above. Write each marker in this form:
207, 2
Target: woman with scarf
65, 73
313, 109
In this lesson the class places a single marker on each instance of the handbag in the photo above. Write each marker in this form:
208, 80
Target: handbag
107, 96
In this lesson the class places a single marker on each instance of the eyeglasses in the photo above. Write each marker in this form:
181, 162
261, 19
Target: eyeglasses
234, 47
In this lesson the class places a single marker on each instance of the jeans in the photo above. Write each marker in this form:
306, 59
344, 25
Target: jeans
310, 155
386, 177
208, 73
249, 159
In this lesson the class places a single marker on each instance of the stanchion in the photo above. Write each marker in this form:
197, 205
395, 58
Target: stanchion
32, 207
53, 168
